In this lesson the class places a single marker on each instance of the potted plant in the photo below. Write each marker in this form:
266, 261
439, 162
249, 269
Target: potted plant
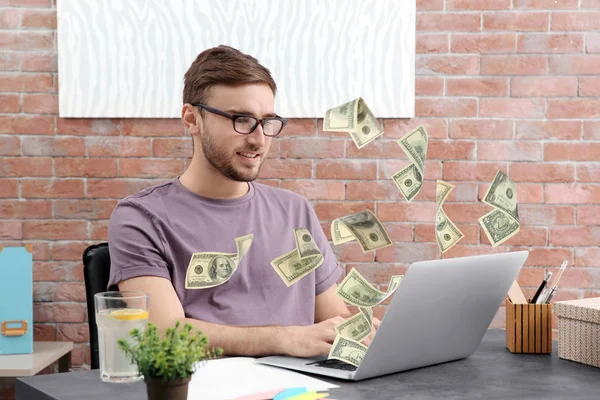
167, 363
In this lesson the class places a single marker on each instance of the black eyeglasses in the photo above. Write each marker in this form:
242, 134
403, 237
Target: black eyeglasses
246, 124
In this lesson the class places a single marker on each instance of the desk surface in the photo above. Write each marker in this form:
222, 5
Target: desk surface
492, 372
44, 354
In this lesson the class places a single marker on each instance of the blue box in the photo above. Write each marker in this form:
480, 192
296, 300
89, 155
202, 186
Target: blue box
16, 300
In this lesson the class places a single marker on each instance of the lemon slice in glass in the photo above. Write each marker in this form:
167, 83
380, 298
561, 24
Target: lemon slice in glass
129, 314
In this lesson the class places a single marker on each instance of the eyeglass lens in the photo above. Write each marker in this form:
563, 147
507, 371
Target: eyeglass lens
246, 125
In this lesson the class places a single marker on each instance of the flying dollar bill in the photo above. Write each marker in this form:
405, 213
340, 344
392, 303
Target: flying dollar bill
356, 327
363, 226
347, 350
357, 291
356, 118
502, 223
410, 178
210, 269
301, 261
446, 233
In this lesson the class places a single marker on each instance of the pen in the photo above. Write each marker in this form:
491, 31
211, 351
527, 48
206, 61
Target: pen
542, 286
547, 298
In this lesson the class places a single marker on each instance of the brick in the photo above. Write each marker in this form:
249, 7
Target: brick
461, 250
396, 128
445, 107
52, 188
108, 146
98, 230
9, 62
381, 149
543, 86
480, 129
588, 215
450, 150
512, 108
387, 168
345, 169
299, 127
39, 62
25, 124
541, 172
115, 188
483, 43
431, 43
284, 169
153, 127
527, 236
588, 64
592, 42
84, 209
86, 167
352, 252
316, 189
514, 64
44, 333
427, 86
590, 4
171, 148
527, 193
589, 86
530, 277
54, 230
25, 209
550, 43
408, 252
11, 103
472, 171
53, 146
311, 148
372, 190
546, 256
540, 214
68, 250
49, 271
58, 312
545, 4
149, 168
432, 64
28, 3
270, 182
465, 213
77, 333
572, 193
517, 21
399, 232
9, 18
591, 130
575, 21
478, 5
572, 151
26, 166
10, 146
40, 103
479, 87
448, 21
587, 257
574, 236
431, 5
26, 41
330, 210
509, 151
402, 212
44, 19
588, 172
43, 291
9, 188
540, 130
11, 230
87, 126
25, 82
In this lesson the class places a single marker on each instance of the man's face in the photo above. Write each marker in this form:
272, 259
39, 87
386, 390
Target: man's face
236, 156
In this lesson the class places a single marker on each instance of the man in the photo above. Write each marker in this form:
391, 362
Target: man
229, 112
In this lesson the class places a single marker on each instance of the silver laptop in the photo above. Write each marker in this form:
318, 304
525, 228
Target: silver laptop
439, 313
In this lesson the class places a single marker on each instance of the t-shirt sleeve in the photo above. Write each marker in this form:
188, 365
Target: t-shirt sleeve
134, 244
330, 271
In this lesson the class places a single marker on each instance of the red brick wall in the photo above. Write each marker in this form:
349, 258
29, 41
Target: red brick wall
509, 84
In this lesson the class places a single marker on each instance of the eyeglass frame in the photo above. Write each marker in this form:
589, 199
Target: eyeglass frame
234, 117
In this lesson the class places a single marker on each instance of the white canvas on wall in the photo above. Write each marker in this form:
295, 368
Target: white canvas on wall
127, 58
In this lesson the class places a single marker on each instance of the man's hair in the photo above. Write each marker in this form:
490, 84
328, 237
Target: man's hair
222, 65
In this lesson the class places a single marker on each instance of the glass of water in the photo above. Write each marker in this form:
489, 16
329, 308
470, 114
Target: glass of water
117, 313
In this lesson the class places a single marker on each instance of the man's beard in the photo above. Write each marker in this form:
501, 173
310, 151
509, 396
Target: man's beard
221, 160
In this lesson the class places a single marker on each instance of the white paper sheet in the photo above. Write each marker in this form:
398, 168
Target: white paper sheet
228, 378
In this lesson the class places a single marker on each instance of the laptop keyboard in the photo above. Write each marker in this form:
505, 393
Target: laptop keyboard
335, 364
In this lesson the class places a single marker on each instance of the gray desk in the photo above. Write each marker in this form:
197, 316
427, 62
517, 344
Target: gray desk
491, 373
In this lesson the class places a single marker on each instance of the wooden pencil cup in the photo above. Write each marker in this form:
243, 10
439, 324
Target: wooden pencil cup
528, 328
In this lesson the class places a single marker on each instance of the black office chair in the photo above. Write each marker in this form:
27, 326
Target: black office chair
96, 270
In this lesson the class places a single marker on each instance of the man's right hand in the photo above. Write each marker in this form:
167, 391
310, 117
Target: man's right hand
310, 341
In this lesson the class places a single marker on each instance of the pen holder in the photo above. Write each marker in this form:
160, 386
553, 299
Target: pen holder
528, 328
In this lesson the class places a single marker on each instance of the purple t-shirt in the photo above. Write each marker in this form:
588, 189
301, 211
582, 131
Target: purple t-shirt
156, 231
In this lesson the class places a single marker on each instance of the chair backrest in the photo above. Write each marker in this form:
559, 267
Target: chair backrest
96, 271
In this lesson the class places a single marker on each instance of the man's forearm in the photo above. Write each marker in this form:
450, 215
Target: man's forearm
243, 341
